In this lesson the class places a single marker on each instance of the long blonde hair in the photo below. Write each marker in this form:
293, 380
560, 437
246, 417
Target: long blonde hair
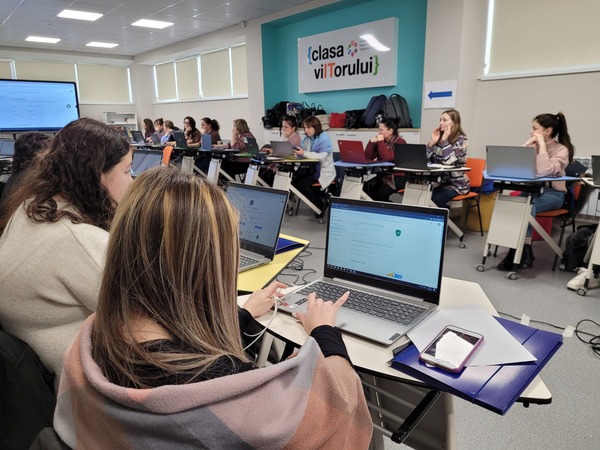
172, 258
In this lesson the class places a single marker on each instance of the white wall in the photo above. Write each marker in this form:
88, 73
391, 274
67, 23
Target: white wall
500, 111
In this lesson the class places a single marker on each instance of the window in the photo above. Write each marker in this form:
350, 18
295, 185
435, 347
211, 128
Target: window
103, 84
215, 74
45, 70
5, 71
539, 38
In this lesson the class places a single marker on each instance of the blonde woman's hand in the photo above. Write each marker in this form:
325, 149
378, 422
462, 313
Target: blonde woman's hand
261, 301
320, 312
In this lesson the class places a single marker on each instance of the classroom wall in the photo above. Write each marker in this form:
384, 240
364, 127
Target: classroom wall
500, 111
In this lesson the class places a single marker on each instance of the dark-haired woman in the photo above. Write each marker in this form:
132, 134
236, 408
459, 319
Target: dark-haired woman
148, 127
550, 137
54, 235
212, 127
381, 148
192, 134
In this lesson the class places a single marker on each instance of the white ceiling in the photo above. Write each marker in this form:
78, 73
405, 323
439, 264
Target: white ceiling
22, 18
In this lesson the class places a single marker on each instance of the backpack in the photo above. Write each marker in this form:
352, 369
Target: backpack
272, 117
396, 107
374, 107
576, 247
354, 118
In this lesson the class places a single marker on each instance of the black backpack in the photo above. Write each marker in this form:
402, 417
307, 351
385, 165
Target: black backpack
396, 107
374, 107
576, 247
272, 117
354, 118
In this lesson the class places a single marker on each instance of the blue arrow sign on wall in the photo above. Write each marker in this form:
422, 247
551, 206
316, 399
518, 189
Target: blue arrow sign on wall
432, 94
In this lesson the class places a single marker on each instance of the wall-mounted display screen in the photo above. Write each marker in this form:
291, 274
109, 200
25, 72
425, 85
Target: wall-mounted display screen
29, 105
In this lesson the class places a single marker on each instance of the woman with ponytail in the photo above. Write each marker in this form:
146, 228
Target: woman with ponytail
554, 150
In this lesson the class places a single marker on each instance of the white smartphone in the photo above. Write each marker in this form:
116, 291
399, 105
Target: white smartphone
452, 348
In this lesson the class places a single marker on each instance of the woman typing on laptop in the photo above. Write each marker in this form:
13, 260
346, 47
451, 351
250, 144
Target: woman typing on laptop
381, 148
448, 146
162, 362
554, 150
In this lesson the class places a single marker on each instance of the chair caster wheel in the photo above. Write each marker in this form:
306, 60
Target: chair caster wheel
582, 291
462, 245
321, 220
512, 275
480, 268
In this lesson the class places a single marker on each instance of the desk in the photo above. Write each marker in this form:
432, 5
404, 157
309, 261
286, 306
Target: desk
217, 155
283, 177
419, 188
259, 277
512, 215
355, 175
593, 253
394, 396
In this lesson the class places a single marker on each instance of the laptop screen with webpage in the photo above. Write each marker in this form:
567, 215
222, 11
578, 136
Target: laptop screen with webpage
261, 213
387, 245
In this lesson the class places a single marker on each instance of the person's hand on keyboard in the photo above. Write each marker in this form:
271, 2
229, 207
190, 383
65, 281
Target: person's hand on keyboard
320, 312
262, 300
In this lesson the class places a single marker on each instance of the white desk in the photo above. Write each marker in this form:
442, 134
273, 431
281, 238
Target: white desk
512, 215
355, 175
394, 396
593, 253
217, 155
420, 193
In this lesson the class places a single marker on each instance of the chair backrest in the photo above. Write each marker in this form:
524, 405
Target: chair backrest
476, 173
166, 155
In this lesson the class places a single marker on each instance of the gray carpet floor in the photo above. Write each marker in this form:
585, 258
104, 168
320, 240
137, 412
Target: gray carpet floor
573, 375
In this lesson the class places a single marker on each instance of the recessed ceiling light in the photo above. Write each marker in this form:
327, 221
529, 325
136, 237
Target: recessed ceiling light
81, 15
47, 40
101, 44
152, 24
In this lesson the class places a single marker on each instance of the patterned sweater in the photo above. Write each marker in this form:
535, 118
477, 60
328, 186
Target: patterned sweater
451, 155
306, 402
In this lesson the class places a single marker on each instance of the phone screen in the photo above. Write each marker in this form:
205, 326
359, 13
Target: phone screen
453, 346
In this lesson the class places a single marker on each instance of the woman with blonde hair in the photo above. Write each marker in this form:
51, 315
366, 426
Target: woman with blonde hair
162, 362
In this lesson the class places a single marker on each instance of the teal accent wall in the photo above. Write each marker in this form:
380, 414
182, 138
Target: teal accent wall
280, 48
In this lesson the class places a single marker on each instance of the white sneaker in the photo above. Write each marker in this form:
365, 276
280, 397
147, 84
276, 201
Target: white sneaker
579, 280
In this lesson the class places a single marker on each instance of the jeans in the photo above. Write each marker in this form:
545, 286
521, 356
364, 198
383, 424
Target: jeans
548, 201
442, 195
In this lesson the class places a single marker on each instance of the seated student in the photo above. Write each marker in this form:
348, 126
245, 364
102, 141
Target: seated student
381, 148
550, 137
159, 127
54, 235
239, 134
448, 146
148, 129
212, 127
27, 145
289, 133
168, 132
316, 144
192, 134
161, 363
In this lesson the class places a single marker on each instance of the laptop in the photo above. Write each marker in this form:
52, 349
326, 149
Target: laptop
261, 213
155, 138
353, 152
596, 169
282, 149
137, 137
506, 161
411, 156
180, 141
7, 148
144, 160
206, 142
391, 251
251, 146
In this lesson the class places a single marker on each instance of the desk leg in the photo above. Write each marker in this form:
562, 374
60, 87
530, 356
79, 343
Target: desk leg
187, 164
283, 180
352, 187
592, 258
213, 170
553, 245
251, 177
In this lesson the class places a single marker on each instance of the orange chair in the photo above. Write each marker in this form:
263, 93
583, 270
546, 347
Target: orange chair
567, 213
166, 156
476, 177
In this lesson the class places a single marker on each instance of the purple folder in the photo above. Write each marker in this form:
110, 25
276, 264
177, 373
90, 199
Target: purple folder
493, 387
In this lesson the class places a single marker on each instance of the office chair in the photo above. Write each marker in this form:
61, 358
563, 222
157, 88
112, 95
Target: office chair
476, 178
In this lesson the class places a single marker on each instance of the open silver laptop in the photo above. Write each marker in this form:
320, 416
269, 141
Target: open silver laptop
261, 213
506, 161
282, 149
389, 256
144, 159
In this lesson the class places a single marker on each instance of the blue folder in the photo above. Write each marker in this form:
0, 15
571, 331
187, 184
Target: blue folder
284, 245
493, 387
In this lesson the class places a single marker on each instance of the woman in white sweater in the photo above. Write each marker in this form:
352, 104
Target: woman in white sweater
54, 234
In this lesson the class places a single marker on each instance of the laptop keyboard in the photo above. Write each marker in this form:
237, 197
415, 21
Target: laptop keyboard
246, 261
374, 305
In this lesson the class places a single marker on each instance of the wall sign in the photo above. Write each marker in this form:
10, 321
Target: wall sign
439, 94
361, 56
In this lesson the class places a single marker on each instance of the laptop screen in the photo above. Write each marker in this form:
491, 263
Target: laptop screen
144, 160
387, 245
261, 213
7, 148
